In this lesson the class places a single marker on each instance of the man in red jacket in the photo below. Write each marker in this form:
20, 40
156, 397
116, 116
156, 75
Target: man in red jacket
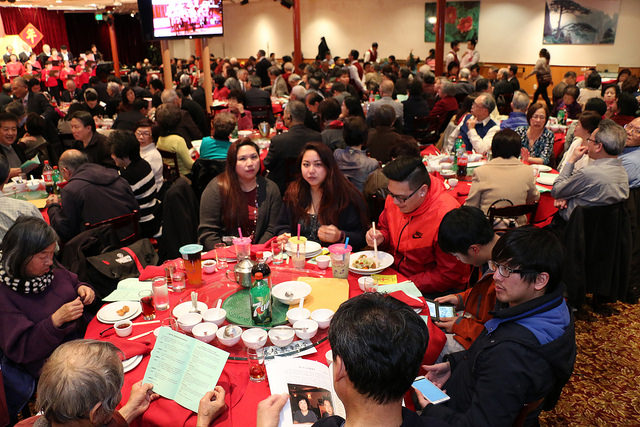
408, 228
467, 234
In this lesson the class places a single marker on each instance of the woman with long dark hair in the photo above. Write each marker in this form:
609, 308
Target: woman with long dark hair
239, 197
326, 205
128, 96
351, 107
542, 71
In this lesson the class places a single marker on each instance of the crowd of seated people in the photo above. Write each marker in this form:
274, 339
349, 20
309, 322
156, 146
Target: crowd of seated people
343, 120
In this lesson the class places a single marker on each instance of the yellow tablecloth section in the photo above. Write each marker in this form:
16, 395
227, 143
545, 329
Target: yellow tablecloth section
325, 293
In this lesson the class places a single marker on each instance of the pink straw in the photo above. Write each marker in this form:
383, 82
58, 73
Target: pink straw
240, 232
298, 232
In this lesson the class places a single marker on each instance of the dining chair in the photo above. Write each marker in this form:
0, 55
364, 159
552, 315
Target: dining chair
126, 227
170, 171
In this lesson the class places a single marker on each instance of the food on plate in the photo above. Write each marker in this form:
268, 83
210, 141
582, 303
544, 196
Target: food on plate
124, 310
363, 262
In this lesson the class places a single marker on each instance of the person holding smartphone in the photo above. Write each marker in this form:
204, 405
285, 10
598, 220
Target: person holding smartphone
526, 353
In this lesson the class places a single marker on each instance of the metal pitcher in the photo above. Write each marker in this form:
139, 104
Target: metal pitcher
242, 273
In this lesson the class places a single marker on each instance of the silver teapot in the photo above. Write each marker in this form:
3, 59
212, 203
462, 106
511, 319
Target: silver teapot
242, 273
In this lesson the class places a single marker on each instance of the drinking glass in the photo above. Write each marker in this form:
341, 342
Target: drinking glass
299, 251
339, 260
277, 251
146, 301
221, 256
178, 281
191, 254
160, 293
243, 247
257, 370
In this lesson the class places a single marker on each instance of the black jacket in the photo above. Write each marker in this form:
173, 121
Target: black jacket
98, 150
94, 193
262, 68
283, 152
197, 114
509, 367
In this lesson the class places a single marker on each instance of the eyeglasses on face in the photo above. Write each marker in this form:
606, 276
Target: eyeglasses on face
631, 129
506, 271
400, 198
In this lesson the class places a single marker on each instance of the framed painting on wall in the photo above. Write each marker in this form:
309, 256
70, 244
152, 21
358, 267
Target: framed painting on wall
460, 21
580, 21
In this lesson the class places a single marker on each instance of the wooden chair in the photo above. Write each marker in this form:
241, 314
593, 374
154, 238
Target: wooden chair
513, 212
526, 410
126, 227
261, 113
170, 171
425, 130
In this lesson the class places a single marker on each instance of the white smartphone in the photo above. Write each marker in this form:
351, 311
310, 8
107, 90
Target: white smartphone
437, 310
430, 391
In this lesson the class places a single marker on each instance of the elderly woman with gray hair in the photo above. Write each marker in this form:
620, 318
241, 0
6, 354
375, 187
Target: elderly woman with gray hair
80, 386
41, 304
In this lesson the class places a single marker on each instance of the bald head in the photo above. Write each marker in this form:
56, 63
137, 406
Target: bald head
72, 159
386, 88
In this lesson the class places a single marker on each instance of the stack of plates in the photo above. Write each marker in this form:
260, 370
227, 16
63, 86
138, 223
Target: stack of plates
384, 260
547, 178
130, 364
109, 313
312, 249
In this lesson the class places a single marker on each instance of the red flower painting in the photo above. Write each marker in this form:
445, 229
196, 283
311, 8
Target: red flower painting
465, 24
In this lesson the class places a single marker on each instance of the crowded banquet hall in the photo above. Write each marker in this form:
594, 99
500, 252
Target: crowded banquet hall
267, 213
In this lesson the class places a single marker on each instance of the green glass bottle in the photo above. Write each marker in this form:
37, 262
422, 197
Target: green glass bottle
260, 296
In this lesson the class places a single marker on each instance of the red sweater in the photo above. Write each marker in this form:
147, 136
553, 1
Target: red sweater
476, 302
412, 240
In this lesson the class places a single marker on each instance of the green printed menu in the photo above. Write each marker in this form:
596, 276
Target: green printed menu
183, 369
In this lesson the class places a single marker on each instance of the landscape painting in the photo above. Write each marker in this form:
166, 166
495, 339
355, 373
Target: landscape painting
460, 21
581, 21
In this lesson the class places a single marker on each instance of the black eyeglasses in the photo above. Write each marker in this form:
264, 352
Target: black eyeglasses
506, 271
403, 199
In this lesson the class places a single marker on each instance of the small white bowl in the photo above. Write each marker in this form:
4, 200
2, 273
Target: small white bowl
188, 321
445, 165
363, 281
229, 341
209, 266
245, 133
323, 261
282, 336
123, 328
215, 315
323, 317
298, 313
453, 182
306, 328
21, 186
447, 173
205, 332
254, 338
329, 356
268, 256
33, 185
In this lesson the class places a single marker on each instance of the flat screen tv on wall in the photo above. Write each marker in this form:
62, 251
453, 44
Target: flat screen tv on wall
169, 19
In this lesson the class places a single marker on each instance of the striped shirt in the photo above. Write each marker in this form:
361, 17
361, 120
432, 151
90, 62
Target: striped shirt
141, 179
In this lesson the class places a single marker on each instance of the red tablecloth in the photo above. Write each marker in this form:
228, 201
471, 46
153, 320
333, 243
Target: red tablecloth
243, 396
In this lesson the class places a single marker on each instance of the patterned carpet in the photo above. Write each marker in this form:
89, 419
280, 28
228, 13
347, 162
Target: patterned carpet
605, 387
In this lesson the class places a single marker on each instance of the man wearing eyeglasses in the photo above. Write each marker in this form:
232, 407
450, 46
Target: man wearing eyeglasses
148, 150
408, 228
630, 156
603, 182
525, 353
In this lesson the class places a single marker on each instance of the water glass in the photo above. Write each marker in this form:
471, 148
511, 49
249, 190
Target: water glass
178, 280
160, 293
257, 370
277, 252
221, 258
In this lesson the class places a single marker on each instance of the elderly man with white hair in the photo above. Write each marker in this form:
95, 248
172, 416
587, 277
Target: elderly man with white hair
463, 85
81, 386
630, 157
517, 117
476, 129
603, 182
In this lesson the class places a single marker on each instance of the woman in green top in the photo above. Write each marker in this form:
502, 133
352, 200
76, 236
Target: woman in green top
217, 145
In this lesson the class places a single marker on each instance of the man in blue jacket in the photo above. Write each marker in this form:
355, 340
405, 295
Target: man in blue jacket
526, 352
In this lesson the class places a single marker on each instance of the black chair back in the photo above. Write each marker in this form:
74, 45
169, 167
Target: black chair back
170, 171
126, 227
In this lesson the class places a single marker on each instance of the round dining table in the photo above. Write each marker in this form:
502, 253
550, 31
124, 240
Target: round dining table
242, 395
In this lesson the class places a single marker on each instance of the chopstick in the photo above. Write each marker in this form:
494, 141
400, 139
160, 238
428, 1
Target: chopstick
140, 336
150, 322
375, 241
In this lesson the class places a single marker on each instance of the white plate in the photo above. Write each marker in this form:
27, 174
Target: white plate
307, 255
547, 178
542, 168
108, 313
184, 308
298, 289
130, 364
476, 164
385, 260
310, 247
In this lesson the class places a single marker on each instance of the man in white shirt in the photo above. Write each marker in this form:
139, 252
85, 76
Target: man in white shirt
371, 55
471, 56
476, 129
148, 150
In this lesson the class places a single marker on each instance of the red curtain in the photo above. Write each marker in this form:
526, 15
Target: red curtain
50, 23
